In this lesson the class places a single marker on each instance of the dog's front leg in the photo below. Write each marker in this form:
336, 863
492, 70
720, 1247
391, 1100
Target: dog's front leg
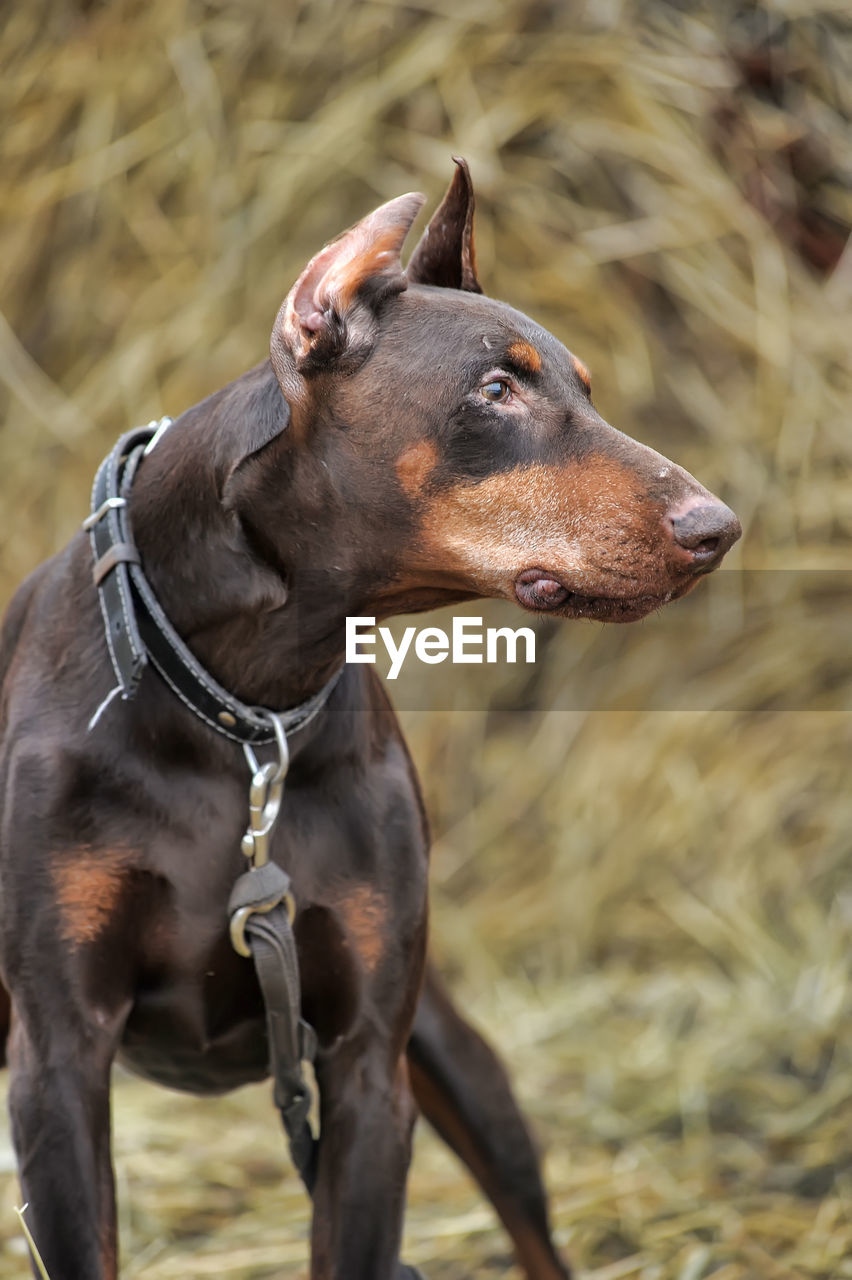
60, 1117
367, 1115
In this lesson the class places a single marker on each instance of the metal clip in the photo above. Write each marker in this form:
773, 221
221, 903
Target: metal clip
267, 788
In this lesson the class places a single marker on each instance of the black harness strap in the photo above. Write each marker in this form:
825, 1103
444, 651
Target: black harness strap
137, 630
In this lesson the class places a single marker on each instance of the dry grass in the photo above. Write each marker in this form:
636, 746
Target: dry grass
646, 894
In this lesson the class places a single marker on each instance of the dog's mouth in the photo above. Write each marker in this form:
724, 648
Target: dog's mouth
541, 591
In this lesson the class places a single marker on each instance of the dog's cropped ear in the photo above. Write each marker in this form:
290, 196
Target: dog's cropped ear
445, 254
328, 318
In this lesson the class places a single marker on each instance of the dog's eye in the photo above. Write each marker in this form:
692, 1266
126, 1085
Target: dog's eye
498, 391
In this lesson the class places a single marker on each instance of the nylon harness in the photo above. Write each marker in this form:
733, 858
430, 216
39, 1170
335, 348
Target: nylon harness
261, 907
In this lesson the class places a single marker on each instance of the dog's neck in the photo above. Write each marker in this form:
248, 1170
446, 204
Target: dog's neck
256, 557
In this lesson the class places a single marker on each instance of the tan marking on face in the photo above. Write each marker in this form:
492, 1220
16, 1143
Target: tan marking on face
415, 465
525, 356
589, 521
582, 373
87, 893
364, 912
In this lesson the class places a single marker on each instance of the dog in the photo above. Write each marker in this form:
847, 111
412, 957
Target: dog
409, 443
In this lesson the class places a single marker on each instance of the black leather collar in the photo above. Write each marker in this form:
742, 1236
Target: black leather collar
137, 629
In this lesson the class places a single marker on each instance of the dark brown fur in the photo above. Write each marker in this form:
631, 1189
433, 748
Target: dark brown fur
385, 480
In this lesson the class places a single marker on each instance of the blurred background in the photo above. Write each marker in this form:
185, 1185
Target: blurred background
642, 853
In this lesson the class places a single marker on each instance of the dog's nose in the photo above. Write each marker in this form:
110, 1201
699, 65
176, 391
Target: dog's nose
706, 530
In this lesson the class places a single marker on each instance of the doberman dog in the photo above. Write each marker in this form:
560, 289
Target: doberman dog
410, 443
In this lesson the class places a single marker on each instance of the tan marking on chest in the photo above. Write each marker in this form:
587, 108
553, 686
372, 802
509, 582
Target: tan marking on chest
525, 356
88, 888
415, 465
364, 911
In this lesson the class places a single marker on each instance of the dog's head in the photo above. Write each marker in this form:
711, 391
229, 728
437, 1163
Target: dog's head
464, 435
